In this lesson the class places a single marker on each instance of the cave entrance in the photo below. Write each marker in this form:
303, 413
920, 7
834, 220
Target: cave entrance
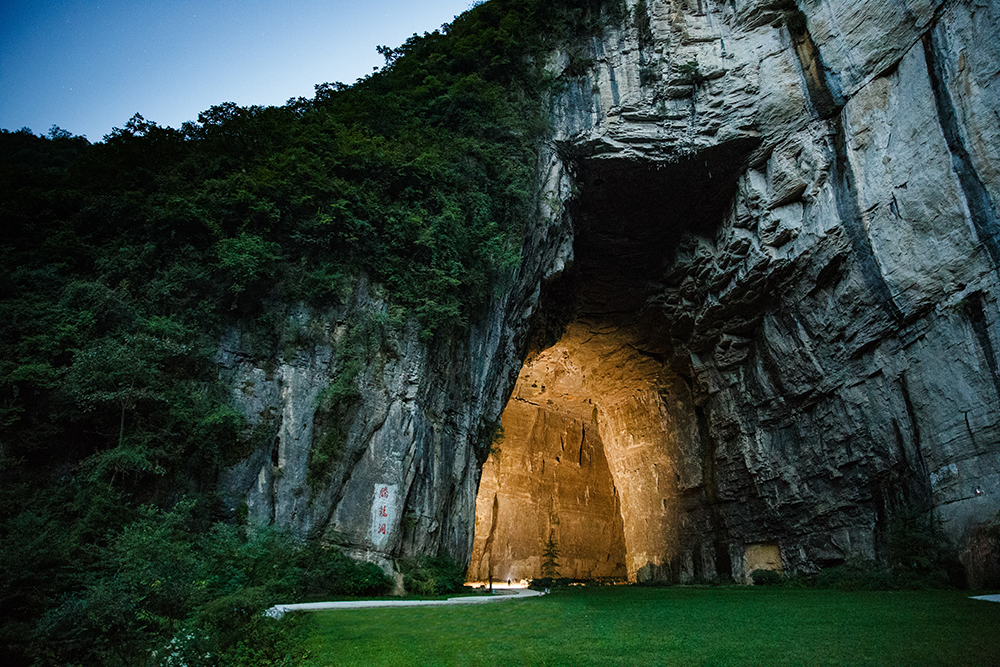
601, 435
588, 459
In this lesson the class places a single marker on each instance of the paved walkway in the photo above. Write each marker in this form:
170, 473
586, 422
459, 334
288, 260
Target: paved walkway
500, 594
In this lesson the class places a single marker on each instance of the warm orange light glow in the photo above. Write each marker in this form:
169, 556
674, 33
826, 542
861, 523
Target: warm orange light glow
588, 458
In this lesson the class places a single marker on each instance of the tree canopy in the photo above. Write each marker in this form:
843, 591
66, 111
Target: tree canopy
124, 259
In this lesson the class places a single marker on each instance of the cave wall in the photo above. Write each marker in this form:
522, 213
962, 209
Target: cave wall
633, 412
783, 218
550, 479
838, 320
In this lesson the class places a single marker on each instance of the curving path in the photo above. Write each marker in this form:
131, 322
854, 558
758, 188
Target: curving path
500, 594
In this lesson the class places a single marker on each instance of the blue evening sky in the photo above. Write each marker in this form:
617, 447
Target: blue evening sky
88, 66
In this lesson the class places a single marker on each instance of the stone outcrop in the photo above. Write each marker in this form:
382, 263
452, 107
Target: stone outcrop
762, 281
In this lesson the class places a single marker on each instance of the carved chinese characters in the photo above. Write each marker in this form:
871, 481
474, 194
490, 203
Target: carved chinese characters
383, 514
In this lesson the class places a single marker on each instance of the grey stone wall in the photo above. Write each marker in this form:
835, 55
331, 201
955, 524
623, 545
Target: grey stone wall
796, 208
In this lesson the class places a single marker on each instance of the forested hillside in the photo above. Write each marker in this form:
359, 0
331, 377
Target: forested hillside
125, 259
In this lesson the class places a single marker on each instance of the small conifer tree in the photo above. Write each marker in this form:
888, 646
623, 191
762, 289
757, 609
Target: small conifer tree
550, 564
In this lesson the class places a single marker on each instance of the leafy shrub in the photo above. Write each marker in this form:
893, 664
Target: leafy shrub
489, 439
919, 551
857, 575
690, 71
223, 635
579, 64
246, 259
541, 583
224, 621
327, 572
439, 575
163, 585
649, 75
266, 643
871, 575
640, 17
767, 578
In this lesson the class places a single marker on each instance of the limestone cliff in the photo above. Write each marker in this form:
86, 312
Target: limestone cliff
413, 417
763, 278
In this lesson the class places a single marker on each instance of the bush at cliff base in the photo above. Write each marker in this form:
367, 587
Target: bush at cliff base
197, 595
432, 576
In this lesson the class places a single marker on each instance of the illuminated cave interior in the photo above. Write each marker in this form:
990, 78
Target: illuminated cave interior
602, 410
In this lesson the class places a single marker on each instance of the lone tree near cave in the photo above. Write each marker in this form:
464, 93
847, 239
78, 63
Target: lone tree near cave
550, 566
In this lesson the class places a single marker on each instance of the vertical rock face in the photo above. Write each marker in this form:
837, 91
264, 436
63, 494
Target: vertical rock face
789, 214
554, 483
765, 269
357, 401
833, 300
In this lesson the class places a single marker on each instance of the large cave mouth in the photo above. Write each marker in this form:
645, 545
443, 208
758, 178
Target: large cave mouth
588, 459
602, 414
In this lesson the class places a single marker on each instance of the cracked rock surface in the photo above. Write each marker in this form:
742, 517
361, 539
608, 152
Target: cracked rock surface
760, 293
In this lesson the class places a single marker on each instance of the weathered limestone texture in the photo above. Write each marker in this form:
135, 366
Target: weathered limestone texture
836, 316
556, 485
765, 267
356, 388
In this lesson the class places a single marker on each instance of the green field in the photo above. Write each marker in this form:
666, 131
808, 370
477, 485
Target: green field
671, 626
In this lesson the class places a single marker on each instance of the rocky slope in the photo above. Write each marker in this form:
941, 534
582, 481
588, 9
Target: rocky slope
764, 268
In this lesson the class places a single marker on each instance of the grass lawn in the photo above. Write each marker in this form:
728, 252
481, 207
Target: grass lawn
671, 626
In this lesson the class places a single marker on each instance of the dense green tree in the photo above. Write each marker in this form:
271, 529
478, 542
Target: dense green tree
125, 259
550, 559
